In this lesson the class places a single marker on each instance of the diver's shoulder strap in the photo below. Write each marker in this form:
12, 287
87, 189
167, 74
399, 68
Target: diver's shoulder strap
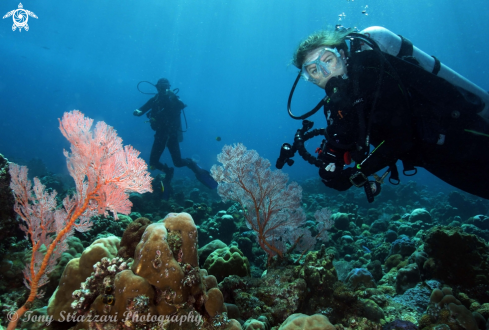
406, 47
436, 67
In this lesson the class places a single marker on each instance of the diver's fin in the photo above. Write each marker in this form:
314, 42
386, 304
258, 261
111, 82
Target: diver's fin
206, 178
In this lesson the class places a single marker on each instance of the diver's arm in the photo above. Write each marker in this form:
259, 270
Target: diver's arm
338, 176
147, 106
333, 173
386, 154
335, 154
391, 132
388, 116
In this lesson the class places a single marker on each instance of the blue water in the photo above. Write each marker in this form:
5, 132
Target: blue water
230, 60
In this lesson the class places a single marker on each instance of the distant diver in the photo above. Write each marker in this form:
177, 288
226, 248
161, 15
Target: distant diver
386, 93
164, 113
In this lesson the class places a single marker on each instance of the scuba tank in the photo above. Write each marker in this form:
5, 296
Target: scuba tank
395, 45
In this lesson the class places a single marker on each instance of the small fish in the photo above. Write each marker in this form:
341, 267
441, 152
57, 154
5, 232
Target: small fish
218, 138
366, 249
162, 187
47, 48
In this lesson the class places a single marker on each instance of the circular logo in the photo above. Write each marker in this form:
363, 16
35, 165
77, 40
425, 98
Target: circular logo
12, 316
20, 16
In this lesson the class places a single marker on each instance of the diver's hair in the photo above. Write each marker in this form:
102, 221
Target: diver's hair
326, 38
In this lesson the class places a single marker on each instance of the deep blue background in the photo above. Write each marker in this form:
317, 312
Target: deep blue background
230, 60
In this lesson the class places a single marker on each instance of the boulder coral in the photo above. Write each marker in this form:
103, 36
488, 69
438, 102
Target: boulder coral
407, 277
163, 280
306, 322
420, 215
360, 278
132, 236
227, 261
455, 257
76, 272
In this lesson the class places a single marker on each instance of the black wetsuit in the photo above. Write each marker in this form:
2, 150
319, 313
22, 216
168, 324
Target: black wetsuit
414, 116
165, 120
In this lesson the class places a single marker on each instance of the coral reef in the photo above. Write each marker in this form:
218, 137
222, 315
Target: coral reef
383, 266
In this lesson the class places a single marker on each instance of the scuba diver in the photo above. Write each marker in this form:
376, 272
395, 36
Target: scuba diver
163, 111
386, 93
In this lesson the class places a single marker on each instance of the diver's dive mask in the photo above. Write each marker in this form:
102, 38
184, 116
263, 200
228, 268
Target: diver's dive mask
324, 69
320, 64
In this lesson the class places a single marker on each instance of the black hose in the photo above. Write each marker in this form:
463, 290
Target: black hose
148, 83
308, 114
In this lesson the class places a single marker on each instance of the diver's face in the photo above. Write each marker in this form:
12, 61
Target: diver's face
162, 87
321, 64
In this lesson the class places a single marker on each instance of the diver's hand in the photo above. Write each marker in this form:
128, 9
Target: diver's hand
338, 180
331, 167
137, 113
375, 187
340, 184
330, 171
